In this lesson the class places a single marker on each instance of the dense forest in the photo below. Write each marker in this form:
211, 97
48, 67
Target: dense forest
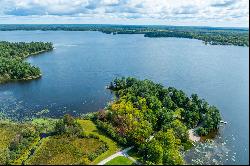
155, 119
12, 66
213, 38
210, 35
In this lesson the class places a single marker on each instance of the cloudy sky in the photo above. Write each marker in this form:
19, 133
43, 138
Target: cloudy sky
230, 13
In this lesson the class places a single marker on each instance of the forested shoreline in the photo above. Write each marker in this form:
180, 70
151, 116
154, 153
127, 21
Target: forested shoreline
12, 64
145, 115
213, 38
155, 119
209, 35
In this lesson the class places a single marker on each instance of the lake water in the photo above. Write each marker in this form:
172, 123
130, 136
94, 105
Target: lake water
76, 71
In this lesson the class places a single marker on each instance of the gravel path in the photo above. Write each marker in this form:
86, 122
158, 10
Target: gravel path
123, 153
120, 153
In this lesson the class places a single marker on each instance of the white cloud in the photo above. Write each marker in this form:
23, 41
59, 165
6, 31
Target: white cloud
200, 12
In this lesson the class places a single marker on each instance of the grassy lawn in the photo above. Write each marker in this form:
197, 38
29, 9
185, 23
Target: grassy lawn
90, 127
120, 160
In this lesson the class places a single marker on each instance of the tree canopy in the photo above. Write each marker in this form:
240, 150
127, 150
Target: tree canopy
12, 66
155, 119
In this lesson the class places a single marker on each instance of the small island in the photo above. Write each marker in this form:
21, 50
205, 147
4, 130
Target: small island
146, 123
12, 64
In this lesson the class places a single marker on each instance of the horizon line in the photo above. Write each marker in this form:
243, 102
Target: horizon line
128, 25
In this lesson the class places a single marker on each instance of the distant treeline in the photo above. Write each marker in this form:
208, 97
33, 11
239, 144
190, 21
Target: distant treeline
213, 38
12, 66
210, 35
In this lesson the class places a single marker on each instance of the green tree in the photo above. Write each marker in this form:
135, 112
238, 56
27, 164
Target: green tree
180, 130
69, 126
154, 152
172, 157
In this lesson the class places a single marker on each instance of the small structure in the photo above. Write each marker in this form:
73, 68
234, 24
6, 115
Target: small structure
223, 122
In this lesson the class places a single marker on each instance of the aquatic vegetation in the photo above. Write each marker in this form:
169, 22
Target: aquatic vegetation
10, 106
212, 152
44, 111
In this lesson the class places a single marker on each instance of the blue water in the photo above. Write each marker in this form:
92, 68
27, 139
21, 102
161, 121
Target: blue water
76, 72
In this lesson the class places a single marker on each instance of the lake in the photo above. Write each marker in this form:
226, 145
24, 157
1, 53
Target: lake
76, 71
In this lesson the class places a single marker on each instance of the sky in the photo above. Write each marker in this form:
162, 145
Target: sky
217, 13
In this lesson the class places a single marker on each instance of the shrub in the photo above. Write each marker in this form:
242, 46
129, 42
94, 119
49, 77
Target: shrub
110, 130
201, 131
69, 126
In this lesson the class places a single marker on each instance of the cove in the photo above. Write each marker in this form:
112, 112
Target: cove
76, 72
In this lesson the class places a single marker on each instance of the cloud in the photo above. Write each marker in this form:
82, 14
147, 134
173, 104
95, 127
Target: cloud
224, 3
25, 12
162, 11
186, 10
93, 4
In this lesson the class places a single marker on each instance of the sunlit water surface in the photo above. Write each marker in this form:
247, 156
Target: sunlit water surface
76, 71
